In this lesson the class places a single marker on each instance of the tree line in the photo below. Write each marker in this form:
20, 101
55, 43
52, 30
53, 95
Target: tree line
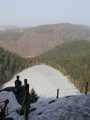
72, 59
11, 64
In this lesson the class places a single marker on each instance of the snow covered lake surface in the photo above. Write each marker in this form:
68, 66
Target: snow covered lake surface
46, 80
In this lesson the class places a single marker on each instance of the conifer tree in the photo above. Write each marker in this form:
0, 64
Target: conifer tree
33, 96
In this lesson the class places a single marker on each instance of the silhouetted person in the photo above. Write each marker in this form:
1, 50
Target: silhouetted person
18, 83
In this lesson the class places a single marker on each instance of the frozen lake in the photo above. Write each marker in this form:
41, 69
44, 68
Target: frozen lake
46, 80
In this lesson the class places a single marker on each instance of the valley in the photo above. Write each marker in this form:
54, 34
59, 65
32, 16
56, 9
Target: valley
29, 41
71, 57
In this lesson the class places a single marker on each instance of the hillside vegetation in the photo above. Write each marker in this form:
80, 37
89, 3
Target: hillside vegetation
73, 59
11, 64
29, 42
9, 36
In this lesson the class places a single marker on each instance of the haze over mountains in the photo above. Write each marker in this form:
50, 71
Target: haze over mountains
8, 27
37, 40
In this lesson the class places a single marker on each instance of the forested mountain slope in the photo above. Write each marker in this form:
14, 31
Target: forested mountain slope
29, 42
11, 63
73, 59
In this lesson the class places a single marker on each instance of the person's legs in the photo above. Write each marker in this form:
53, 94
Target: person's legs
15, 89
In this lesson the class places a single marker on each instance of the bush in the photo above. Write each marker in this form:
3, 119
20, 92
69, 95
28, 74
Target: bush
33, 96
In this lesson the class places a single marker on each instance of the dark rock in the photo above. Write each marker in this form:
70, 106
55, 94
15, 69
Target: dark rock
51, 101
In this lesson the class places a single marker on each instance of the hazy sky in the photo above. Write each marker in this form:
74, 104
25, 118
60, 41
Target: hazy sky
38, 12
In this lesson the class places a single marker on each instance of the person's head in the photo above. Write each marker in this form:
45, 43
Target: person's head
17, 77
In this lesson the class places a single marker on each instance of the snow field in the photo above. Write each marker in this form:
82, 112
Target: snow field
13, 104
46, 80
75, 107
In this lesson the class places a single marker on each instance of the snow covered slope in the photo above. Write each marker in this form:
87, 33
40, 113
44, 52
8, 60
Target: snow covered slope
13, 104
46, 80
76, 107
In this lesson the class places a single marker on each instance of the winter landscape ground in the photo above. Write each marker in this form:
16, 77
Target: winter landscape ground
46, 80
71, 105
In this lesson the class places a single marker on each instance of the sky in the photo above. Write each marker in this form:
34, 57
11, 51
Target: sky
29, 13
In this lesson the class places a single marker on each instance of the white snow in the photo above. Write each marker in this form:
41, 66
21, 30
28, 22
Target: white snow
15, 116
75, 107
46, 80
13, 104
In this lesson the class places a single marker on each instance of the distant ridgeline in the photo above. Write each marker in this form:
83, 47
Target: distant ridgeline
72, 59
29, 41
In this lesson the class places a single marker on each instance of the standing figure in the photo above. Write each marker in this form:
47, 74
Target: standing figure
18, 84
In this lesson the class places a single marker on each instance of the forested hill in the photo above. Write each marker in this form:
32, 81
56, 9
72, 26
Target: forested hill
11, 64
29, 42
73, 59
